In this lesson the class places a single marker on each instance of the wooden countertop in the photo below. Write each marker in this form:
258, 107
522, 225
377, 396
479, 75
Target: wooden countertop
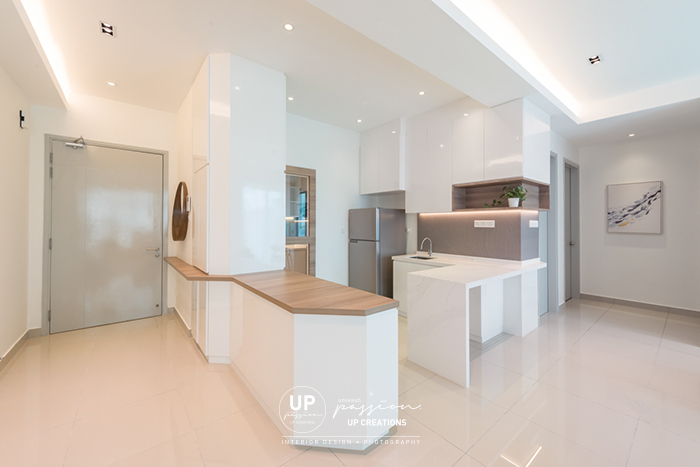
296, 292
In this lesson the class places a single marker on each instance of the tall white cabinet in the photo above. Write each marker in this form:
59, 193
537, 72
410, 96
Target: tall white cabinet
383, 159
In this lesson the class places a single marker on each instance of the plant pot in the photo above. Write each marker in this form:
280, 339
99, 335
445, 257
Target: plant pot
513, 202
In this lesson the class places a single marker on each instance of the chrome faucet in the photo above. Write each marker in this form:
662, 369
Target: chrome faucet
430, 248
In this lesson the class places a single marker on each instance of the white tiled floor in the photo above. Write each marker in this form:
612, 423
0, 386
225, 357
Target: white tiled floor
594, 385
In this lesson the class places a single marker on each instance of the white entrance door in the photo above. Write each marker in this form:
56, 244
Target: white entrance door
106, 236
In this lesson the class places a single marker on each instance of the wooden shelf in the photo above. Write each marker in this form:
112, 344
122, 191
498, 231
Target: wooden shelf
472, 196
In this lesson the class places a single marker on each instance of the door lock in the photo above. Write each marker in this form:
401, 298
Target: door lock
572, 243
154, 249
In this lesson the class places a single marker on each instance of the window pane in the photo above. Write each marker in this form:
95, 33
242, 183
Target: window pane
297, 215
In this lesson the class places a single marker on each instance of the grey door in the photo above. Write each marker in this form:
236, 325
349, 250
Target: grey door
568, 242
107, 236
363, 264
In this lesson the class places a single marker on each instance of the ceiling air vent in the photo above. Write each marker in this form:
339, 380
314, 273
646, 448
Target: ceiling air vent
595, 59
107, 29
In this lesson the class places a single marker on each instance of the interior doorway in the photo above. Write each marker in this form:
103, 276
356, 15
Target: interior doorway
106, 234
300, 220
572, 287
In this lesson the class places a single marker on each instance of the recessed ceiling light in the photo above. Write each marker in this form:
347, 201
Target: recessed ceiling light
631, 135
237, 88
289, 27
107, 29
594, 59
421, 93
359, 120
393, 131
111, 83
466, 115
290, 98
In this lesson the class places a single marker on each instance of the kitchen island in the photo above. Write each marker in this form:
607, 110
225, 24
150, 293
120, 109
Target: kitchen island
296, 339
463, 298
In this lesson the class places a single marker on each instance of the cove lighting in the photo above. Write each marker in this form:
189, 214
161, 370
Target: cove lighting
289, 27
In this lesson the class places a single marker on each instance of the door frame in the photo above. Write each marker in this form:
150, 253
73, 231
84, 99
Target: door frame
575, 228
553, 236
46, 259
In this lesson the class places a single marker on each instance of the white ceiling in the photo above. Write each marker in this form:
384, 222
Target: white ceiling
335, 74
23, 61
367, 59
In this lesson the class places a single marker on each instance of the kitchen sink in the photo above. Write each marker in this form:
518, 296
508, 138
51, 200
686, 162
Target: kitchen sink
421, 257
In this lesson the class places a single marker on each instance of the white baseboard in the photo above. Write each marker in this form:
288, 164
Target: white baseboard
219, 360
648, 306
187, 329
28, 334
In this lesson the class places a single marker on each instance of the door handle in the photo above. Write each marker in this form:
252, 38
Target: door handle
152, 249
572, 243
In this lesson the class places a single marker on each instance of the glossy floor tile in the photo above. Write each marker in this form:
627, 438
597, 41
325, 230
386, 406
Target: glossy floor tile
594, 385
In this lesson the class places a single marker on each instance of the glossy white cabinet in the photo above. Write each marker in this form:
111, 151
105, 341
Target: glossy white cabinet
516, 142
382, 159
468, 147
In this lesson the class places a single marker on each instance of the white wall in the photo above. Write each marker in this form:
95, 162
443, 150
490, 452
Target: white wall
335, 155
98, 120
657, 269
14, 179
564, 150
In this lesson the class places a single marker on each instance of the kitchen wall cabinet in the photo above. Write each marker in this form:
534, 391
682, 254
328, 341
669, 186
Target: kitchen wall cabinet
382, 159
468, 147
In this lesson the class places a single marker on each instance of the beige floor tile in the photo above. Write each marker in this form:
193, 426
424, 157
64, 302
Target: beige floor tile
604, 389
193, 366
676, 383
679, 361
246, 438
38, 411
124, 387
413, 445
215, 396
551, 341
181, 452
611, 364
523, 361
124, 352
606, 432
453, 412
57, 375
654, 447
43, 352
673, 414
627, 348
643, 326
315, 457
497, 384
515, 441
685, 344
44, 449
128, 430
411, 375
683, 326
638, 311
467, 461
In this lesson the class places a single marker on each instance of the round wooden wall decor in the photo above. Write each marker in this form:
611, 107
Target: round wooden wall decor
180, 217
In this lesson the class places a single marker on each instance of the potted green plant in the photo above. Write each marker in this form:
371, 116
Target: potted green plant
514, 196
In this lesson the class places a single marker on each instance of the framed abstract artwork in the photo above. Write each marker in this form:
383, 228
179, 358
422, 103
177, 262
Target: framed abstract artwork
635, 208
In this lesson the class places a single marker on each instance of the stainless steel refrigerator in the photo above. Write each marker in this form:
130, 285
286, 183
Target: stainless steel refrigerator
376, 234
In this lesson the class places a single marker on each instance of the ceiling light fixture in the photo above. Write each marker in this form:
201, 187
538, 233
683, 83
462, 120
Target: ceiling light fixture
631, 135
290, 98
594, 59
289, 27
466, 115
107, 29
421, 93
111, 83
359, 120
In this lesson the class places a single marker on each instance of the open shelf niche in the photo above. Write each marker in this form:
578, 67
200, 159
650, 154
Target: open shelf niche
472, 196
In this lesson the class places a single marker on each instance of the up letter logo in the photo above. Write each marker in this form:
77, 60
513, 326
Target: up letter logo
302, 409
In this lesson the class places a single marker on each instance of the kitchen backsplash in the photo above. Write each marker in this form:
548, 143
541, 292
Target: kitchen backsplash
454, 233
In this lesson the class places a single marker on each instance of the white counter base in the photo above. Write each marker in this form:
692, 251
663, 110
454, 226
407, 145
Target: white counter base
341, 357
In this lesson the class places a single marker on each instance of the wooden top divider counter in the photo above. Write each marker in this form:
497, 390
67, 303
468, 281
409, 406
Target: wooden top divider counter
296, 292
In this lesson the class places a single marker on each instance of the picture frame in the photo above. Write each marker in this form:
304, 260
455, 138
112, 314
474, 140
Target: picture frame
635, 207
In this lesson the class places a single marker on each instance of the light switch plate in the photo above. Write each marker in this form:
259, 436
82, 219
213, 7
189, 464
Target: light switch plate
534, 224
485, 224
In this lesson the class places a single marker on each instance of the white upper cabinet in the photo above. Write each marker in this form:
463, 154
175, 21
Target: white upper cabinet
516, 142
382, 158
468, 147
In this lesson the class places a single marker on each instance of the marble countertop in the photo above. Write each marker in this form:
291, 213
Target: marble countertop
469, 270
